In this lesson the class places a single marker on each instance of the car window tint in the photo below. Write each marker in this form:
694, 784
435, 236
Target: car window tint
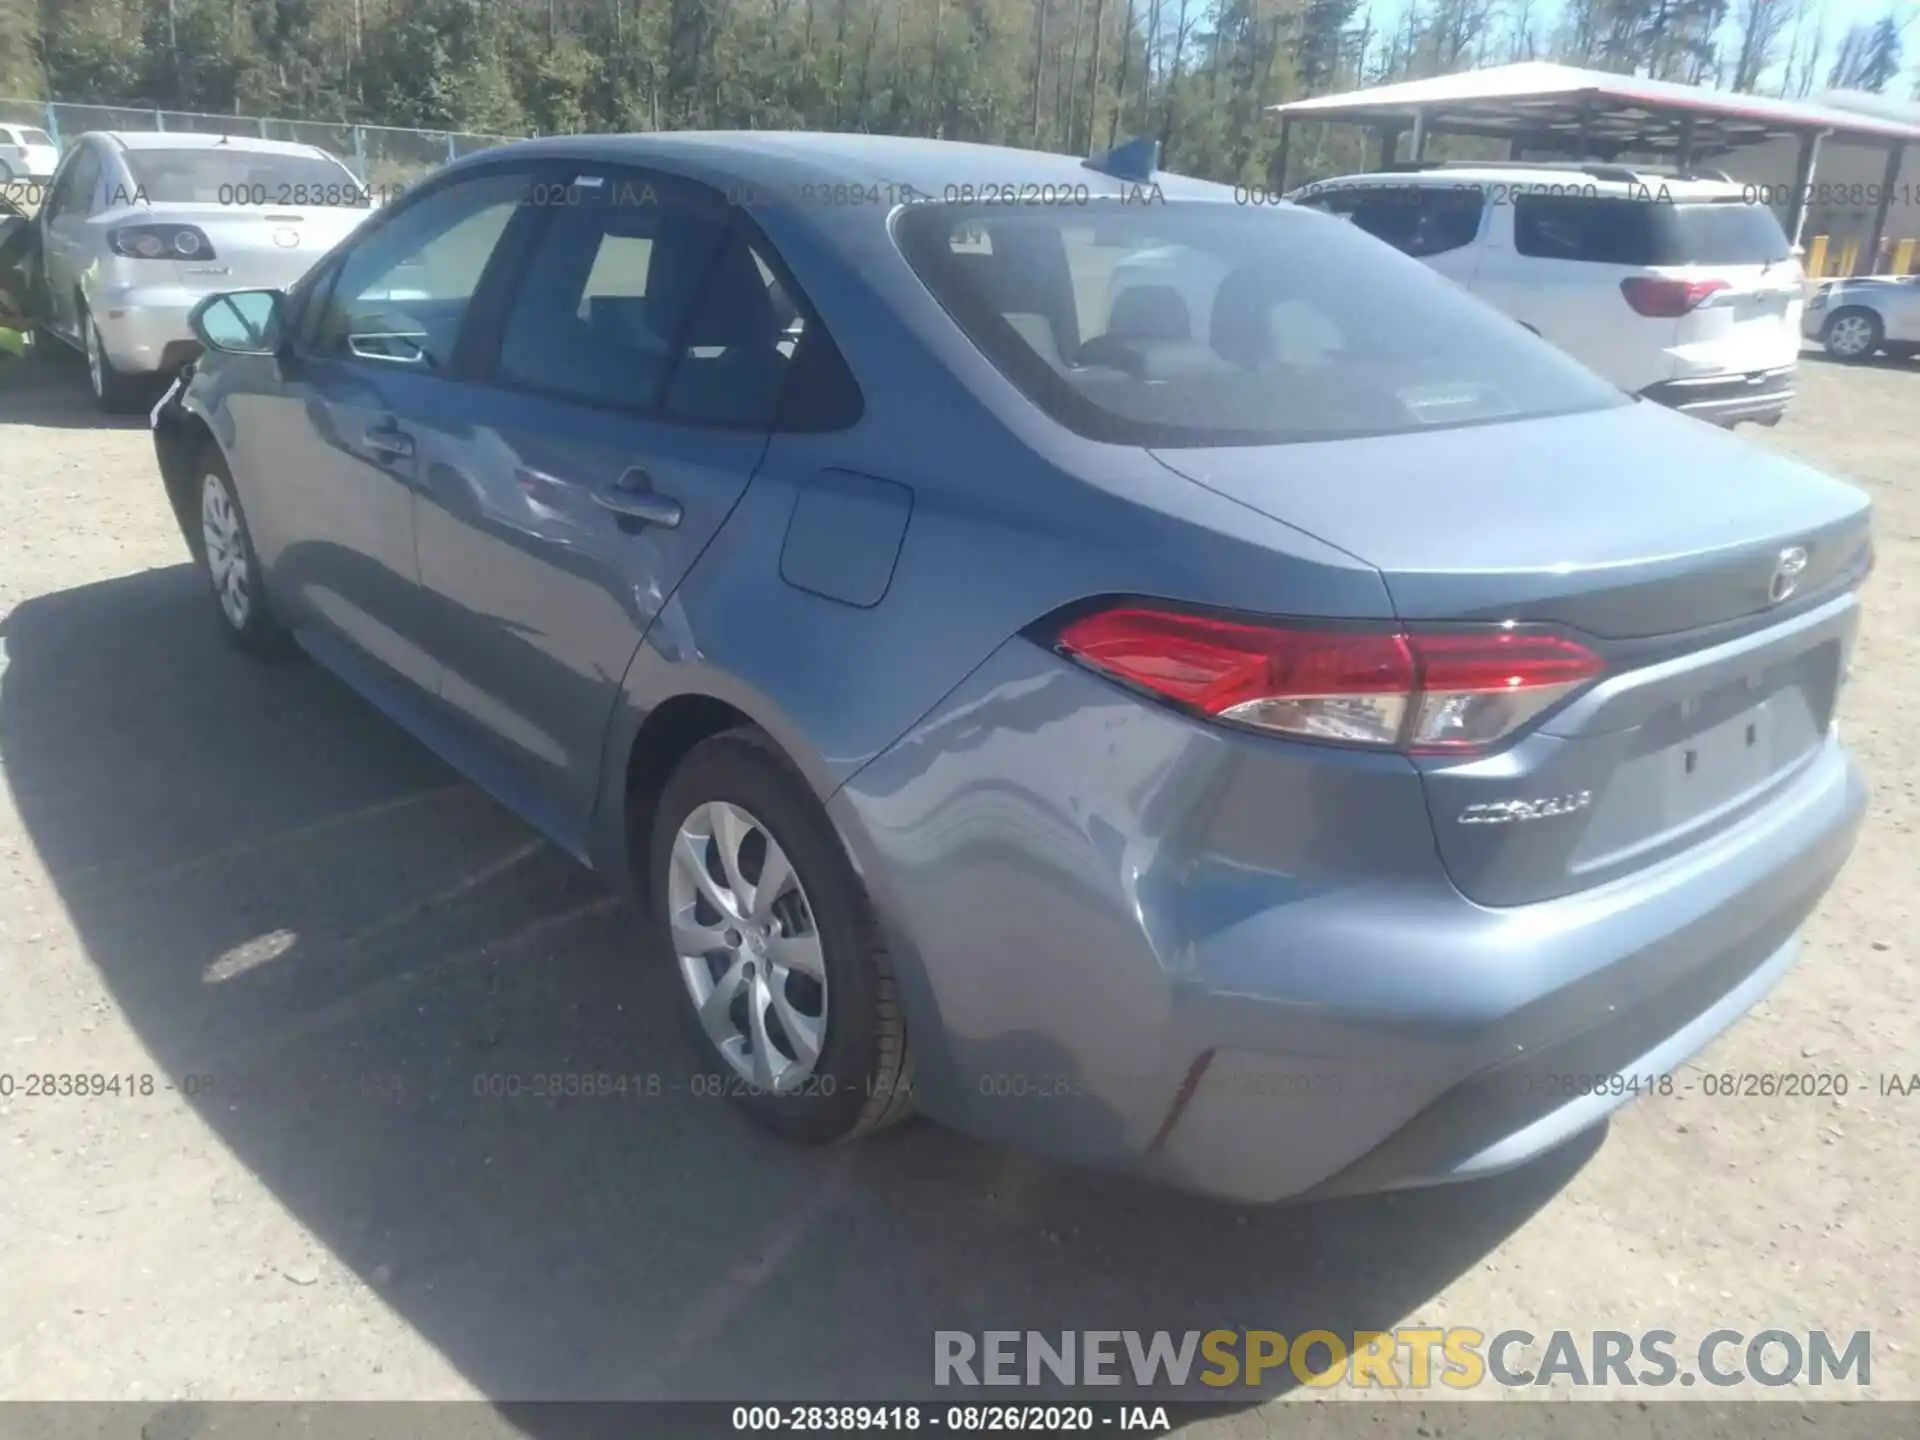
1420, 220
1602, 230
402, 293
1215, 324
741, 342
74, 194
1728, 232
606, 293
239, 175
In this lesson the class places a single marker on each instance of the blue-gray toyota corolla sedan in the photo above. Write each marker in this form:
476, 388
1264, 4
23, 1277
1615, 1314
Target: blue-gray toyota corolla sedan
1172, 684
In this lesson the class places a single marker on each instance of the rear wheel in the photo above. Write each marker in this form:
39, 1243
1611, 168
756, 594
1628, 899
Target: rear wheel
113, 392
788, 984
1853, 333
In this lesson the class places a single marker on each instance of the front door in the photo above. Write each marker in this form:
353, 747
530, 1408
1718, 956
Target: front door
330, 447
641, 350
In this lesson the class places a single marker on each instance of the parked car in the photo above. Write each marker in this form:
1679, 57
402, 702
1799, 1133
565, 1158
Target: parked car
1858, 318
1270, 770
138, 227
26, 154
1676, 288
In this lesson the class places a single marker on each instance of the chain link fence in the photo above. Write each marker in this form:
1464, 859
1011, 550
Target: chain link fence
380, 155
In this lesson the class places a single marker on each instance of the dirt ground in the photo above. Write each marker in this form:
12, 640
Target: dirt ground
245, 884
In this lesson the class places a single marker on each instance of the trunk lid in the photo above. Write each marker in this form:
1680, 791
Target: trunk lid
1713, 577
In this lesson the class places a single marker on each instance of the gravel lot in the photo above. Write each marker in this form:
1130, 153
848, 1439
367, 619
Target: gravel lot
213, 869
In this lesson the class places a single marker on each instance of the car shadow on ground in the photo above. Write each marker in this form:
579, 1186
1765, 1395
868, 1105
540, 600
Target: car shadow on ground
353, 961
1876, 362
51, 391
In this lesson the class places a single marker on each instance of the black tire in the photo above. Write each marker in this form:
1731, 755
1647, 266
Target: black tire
114, 393
862, 1081
257, 631
1876, 331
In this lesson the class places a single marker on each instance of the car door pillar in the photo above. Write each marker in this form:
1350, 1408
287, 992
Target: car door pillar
1803, 174
1896, 155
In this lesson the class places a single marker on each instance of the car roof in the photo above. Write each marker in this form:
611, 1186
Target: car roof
898, 167
1605, 181
195, 140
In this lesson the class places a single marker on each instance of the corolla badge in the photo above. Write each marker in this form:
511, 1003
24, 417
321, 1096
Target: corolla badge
1787, 570
1506, 812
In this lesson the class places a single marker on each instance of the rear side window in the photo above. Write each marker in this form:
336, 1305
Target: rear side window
35, 137
646, 295
1203, 323
1419, 220
1604, 230
1615, 230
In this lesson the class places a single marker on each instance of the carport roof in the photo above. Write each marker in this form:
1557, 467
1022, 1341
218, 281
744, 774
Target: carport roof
1540, 101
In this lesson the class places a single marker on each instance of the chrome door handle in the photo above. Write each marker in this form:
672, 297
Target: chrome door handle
634, 497
390, 444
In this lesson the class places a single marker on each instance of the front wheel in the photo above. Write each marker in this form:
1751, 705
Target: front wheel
1853, 333
232, 568
788, 984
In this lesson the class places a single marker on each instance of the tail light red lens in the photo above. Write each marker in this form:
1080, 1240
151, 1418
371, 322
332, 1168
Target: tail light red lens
1441, 693
1666, 299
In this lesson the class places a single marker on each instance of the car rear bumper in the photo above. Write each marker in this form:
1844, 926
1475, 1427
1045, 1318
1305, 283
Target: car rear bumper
1759, 395
144, 328
1236, 965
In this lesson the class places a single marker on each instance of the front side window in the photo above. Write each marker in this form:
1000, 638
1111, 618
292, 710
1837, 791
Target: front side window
403, 291
1204, 323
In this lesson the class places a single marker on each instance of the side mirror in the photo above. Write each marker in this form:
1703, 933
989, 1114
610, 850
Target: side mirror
238, 322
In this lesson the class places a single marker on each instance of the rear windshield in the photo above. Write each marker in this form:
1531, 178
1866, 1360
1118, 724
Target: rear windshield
218, 176
1620, 231
1204, 323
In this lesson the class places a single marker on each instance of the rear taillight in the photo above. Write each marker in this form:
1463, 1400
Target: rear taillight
1667, 299
160, 242
1426, 693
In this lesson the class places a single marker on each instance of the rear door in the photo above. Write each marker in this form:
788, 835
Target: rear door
65, 237
1556, 262
637, 363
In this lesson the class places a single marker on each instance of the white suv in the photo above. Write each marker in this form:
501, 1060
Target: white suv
1678, 288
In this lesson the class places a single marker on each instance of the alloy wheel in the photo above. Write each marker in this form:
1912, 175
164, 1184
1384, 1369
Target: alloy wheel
226, 546
747, 946
1850, 335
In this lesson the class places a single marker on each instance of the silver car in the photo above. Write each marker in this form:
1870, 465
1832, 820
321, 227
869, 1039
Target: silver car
137, 228
1858, 318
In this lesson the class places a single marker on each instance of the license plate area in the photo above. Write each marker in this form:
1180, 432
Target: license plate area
1726, 761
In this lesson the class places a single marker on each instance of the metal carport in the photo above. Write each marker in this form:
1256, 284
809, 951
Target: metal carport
1596, 115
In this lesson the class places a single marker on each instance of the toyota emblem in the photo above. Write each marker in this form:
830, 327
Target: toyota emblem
1787, 571
286, 239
